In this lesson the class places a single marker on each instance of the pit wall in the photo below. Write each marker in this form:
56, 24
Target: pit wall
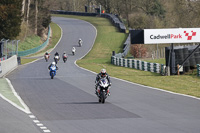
8, 65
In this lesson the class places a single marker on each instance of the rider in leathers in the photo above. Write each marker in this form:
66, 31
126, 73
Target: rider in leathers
100, 75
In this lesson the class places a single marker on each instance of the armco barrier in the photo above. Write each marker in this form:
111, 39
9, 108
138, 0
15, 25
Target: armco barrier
34, 50
138, 64
8, 65
116, 21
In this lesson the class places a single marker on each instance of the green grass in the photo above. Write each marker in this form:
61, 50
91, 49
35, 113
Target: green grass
25, 61
29, 43
160, 61
108, 40
56, 34
7, 92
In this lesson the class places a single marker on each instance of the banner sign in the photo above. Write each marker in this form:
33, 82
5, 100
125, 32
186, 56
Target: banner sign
176, 35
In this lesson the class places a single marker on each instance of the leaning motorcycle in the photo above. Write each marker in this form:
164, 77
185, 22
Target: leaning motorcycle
73, 51
46, 57
80, 43
103, 90
52, 71
56, 59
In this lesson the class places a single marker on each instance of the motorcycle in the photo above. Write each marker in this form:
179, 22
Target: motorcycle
64, 58
80, 43
46, 57
73, 51
56, 59
103, 90
52, 71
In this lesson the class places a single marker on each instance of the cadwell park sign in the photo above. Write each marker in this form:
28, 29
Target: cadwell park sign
169, 36
176, 35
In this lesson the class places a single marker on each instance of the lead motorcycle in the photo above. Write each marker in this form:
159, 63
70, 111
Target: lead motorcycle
52, 71
103, 90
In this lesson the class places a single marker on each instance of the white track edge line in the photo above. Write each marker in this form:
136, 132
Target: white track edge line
26, 109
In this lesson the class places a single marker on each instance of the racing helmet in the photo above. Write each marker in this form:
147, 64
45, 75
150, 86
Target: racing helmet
53, 63
103, 72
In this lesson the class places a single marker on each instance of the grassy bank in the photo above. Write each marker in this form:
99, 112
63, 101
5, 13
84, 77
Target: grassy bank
108, 40
56, 34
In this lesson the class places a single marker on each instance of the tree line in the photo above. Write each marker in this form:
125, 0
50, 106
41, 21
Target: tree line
33, 17
140, 14
30, 17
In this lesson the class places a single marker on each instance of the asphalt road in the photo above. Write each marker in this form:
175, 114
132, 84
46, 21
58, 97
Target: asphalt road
67, 104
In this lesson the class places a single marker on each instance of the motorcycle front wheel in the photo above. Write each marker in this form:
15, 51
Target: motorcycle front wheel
52, 75
103, 97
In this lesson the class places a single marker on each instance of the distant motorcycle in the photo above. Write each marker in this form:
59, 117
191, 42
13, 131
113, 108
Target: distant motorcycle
52, 71
80, 42
56, 59
103, 90
73, 50
46, 57
64, 58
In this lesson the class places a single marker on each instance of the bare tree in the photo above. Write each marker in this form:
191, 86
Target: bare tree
36, 16
27, 18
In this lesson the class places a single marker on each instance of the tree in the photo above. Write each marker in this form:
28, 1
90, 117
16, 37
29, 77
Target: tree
10, 18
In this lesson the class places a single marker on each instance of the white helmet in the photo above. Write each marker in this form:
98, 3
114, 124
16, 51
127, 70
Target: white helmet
103, 72
53, 63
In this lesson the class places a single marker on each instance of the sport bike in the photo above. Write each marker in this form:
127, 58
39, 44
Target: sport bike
52, 71
103, 90
64, 58
46, 57
56, 59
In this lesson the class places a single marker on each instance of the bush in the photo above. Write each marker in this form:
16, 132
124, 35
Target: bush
138, 50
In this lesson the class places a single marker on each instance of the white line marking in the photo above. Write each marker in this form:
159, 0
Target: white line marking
36, 121
43, 127
46, 131
32, 116
40, 124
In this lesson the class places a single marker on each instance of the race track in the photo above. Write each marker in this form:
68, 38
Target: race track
67, 104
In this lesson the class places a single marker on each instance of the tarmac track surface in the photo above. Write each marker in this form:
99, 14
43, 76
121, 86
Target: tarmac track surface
67, 104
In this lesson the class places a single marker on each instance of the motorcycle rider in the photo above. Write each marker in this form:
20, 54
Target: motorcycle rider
73, 50
56, 54
64, 54
52, 65
100, 75
46, 53
80, 41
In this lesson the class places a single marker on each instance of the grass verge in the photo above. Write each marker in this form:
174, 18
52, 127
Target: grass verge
7, 92
108, 40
